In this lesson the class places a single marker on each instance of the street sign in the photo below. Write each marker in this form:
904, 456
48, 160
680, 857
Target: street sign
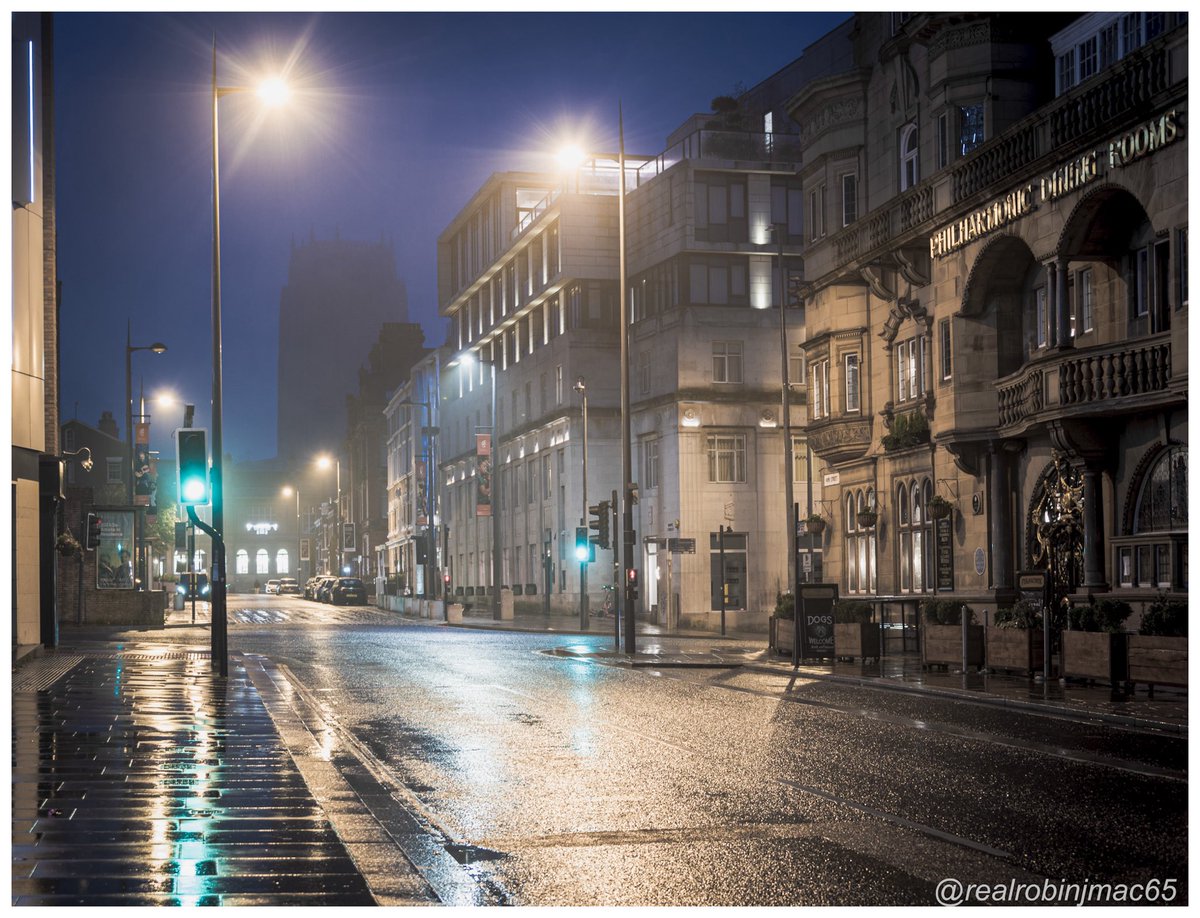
832, 479
682, 546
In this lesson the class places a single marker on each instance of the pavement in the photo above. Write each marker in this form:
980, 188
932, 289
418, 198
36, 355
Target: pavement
139, 778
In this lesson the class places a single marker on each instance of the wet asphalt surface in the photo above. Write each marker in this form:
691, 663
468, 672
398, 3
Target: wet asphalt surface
558, 780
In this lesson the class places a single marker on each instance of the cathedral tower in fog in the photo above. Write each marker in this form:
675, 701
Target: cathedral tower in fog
338, 295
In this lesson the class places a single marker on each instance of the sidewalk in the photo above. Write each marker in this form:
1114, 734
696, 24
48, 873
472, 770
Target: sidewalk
140, 779
1165, 711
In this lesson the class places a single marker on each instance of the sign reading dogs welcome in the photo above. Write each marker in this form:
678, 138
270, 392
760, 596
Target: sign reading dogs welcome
816, 618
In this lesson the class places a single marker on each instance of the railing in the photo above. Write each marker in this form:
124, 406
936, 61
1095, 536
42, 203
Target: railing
726, 145
530, 216
1077, 378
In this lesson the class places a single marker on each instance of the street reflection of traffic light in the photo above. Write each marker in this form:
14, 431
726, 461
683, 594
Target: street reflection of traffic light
191, 449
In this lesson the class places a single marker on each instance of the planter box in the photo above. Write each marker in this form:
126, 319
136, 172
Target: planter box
781, 631
856, 639
1156, 660
1095, 655
454, 613
1015, 648
941, 645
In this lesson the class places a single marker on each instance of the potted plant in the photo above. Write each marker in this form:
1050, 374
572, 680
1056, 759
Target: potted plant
66, 544
939, 507
854, 633
782, 629
815, 523
1016, 639
867, 518
1095, 645
1158, 652
942, 634
908, 430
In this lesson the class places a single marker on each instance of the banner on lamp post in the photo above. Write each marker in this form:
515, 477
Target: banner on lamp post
421, 492
483, 474
143, 473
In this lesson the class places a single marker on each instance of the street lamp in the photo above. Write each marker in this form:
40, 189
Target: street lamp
158, 348
288, 491
326, 462
627, 536
467, 358
581, 387
271, 93
777, 229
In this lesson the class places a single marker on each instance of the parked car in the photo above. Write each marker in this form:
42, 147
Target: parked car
347, 590
272, 587
187, 587
288, 585
310, 587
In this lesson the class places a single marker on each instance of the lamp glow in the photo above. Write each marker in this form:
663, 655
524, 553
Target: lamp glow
274, 91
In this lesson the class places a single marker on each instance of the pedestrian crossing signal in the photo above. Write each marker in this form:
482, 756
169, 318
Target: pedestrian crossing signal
191, 452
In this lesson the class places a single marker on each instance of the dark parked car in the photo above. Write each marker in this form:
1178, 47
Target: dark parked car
310, 587
193, 584
322, 593
347, 590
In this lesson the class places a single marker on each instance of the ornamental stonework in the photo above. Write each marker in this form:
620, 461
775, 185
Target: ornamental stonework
835, 113
951, 40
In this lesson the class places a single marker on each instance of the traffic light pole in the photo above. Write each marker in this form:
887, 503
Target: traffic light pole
583, 562
219, 632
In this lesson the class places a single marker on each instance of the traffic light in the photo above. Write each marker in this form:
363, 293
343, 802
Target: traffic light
181, 536
582, 549
191, 452
91, 538
633, 583
599, 523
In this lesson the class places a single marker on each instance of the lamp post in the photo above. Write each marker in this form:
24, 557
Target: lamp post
326, 462
627, 535
272, 91
158, 348
789, 496
288, 491
581, 387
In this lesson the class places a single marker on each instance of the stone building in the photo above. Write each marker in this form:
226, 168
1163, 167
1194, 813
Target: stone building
996, 292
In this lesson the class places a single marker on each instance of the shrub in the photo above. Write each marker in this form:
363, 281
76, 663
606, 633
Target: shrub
908, 429
1165, 618
1106, 615
1023, 614
946, 612
852, 612
785, 606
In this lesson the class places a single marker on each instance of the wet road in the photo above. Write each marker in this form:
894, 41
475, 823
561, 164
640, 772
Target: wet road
548, 779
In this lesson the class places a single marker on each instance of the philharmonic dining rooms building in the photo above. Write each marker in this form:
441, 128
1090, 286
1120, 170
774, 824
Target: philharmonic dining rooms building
996, 304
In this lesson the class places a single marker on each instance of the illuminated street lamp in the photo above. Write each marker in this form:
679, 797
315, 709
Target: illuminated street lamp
288, 491
271, 92
157, 348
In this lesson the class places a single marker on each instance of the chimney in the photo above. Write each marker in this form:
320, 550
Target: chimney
108, 425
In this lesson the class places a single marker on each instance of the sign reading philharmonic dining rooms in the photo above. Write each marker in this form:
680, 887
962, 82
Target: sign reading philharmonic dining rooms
1131, 146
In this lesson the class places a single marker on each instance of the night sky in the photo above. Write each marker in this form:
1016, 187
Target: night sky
396, 120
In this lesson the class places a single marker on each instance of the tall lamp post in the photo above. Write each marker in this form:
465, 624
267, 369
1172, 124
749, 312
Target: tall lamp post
273, 92
581, 387
158, 348
789, 495
627, 534
327, 462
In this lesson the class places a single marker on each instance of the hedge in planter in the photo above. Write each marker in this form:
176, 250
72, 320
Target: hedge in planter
854, 633
1096, 646
1016, 640
1158, 652
782, 631
941, 634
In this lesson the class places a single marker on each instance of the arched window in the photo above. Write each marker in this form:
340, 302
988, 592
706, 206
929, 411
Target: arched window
242, 562
1154, 555
910, 172
914, 536
262, 562
860, 543
1162, 501
281, 561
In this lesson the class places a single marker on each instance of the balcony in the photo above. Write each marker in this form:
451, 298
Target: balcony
1118, 377
736, 146
840, 439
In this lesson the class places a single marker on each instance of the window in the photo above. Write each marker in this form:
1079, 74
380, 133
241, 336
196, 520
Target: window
860, 542
242, 562
650, 457
531, 488
787, 207
718, 281
816, 212
114, 467
281, 561
558, 385
1088, 53
914, 535
1084, 294
1066, 71
819, 393
727, 361
800, 463
849, 198
1181, 260
944, 341
911, 381
262, 562
727, 458
943, 140
1142, 281
910, 172
644, 372
852, 383
721, 208
796, 373
729, 584
1039, 316
970, 128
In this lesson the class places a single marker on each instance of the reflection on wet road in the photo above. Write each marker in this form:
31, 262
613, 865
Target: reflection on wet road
582, 784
